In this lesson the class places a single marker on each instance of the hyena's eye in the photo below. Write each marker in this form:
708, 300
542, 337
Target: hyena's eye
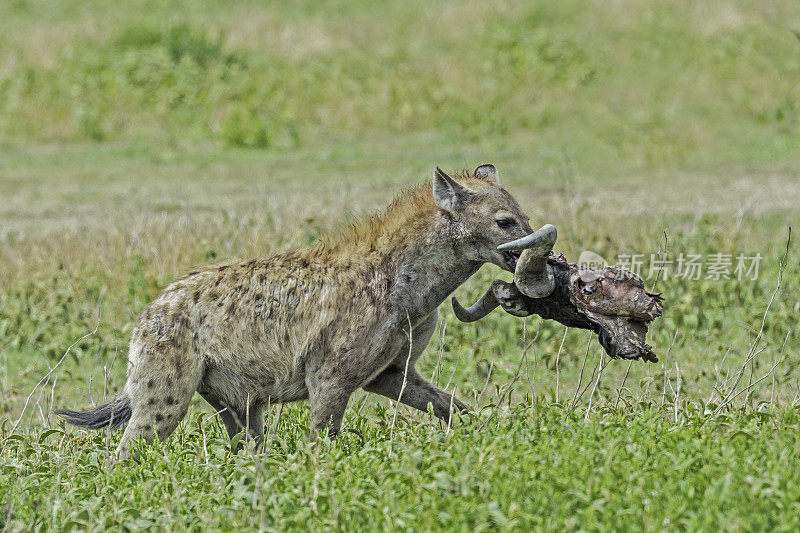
506, 222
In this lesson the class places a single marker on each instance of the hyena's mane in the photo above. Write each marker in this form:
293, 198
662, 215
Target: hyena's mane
402, 221
369, 237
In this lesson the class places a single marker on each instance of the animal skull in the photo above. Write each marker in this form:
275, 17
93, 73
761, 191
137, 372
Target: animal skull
611, 301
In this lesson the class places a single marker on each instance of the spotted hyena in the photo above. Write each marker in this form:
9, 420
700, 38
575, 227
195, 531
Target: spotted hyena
316, 323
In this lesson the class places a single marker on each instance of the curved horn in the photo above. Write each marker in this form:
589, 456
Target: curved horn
533, 276
478, 310
545, 236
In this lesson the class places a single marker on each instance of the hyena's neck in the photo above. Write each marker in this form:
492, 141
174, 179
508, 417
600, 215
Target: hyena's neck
412, 248
426, 271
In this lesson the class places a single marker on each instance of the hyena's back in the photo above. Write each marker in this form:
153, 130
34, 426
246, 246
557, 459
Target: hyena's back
249, 321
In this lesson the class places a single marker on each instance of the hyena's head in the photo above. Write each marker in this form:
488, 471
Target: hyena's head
482, 213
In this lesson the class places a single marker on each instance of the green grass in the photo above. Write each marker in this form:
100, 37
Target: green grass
535, 468
140, 140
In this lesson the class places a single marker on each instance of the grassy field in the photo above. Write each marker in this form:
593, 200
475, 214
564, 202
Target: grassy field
138, 140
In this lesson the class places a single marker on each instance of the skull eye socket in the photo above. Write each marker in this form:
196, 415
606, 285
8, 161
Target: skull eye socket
506, 222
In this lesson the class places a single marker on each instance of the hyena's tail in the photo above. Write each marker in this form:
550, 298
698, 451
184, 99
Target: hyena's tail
114, 413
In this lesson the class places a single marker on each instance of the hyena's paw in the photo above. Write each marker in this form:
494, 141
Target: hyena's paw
460, 407
460, 412
511, 300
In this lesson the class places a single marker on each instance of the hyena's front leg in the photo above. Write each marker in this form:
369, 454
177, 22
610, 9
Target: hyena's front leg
418, 391
331, 380
328, 400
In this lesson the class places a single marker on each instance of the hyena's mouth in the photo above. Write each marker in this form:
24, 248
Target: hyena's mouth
511, 258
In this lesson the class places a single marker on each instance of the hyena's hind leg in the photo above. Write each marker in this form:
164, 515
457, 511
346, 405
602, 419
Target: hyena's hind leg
235, 420
161, 383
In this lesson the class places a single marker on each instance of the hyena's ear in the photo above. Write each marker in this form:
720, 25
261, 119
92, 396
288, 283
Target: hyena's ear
449, 194
487, 172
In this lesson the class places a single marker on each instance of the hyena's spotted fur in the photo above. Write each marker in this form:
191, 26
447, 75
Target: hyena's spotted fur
317, 323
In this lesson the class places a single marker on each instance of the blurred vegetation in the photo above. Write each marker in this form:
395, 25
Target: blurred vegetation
642, 83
